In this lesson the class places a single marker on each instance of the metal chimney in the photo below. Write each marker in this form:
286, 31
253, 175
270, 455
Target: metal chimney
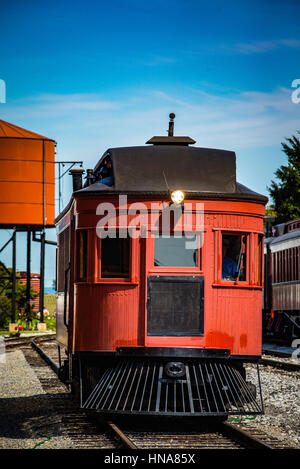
171, 124
76, 174
170, 139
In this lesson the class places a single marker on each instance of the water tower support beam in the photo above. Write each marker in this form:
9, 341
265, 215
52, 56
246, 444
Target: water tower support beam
42, 276
13, 294
28, 278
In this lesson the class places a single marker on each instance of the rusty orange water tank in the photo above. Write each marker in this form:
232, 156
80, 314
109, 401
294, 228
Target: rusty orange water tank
27, 177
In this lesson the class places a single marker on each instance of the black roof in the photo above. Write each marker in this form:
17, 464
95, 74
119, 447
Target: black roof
158, 168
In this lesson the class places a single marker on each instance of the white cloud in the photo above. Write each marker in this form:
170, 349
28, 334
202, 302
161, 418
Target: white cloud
85, 125
258, 47
254, 118
253, 124
243, 48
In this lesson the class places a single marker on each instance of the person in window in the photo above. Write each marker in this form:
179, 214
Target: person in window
229, 266
105, 173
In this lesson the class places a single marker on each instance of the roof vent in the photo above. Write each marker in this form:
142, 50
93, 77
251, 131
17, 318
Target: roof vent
170, 139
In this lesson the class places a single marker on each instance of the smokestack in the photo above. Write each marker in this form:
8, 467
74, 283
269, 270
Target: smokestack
76, 178
171, 125
170, 139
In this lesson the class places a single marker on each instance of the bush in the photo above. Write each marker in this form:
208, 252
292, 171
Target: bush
6, 297
5, 312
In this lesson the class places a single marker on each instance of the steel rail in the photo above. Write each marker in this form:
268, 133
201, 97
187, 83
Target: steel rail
18, 341
247, 438
45, 357
124, 439
280, 364
235, 434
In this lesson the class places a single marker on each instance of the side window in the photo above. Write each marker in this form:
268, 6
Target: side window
260, 247
81, 255
234, 257
60, 263
115, 257
63, 258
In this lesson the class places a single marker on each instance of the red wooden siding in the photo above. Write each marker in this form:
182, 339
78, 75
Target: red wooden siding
111, 313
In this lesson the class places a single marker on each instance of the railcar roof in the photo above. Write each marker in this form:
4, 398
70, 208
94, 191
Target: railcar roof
158, 168
162, 168
285, 237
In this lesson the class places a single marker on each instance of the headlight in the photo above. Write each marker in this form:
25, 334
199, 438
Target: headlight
177, 197
175, 369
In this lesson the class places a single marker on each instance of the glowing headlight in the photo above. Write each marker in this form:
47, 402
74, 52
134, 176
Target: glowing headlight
177, 197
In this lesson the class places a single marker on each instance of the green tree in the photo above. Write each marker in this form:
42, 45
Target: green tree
286, 192
5, 312
6, 297
270, 211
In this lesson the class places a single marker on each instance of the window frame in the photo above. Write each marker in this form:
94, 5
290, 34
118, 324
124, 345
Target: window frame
116, 276
132, 276
86, 234
241, 234
176, 269
251, 259
259, 263
62, 257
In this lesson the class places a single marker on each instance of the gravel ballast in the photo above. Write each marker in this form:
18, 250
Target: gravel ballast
29, 418
27, 414
281, 396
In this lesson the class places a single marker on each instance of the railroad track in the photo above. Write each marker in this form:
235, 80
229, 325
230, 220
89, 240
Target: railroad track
287, 358
62, 416
211, 436
12, 342
88, 430
281, 364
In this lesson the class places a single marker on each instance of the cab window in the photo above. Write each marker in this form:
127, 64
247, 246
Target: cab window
234, 257
175, 251
115, 257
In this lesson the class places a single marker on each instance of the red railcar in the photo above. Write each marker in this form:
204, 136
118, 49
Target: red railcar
160, 282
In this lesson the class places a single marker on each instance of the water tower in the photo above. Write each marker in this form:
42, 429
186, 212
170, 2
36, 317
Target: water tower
27, 194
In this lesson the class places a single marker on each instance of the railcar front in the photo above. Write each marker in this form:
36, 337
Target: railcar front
166, 294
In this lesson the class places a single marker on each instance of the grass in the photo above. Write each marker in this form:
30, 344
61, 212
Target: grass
50, 303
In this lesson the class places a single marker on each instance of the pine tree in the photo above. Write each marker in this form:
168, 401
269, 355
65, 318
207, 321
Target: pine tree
286, 193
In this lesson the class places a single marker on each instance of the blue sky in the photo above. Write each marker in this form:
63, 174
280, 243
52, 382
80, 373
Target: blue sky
94, 75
